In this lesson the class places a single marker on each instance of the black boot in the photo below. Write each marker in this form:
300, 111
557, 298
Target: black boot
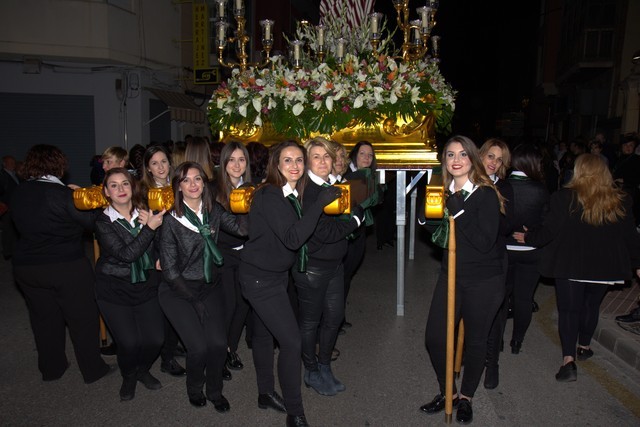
128, 388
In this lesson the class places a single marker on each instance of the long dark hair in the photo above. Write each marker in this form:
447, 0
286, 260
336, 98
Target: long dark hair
147, 178
137, 198
43, 159
477, 174
527, 158
224, 184
274, 177
353, 155
179, 176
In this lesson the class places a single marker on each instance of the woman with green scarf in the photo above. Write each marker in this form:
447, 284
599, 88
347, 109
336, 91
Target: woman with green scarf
190, 292
127, 282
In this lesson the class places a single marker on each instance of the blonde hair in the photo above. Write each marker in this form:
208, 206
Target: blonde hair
592, 182
319, 141
506, 154
118, 152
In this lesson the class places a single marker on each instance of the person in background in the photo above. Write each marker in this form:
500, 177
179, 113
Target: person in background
136, 159
496, 159
126, 280
8, 183
277, 234
595, 147
529, 206
114, 157
198, 151
258, 158
626, 171
321, 284
51, 269
234, 172
588, 241
190, 292
362, 163
157, 172
479, 272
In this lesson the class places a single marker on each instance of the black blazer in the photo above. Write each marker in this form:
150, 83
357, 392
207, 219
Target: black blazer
529, 205
573, 249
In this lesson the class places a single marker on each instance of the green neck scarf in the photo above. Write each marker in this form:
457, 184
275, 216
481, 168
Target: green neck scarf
140, 266
441, 236
212, 254
303, 252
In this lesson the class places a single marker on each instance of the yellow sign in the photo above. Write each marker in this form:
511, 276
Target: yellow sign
200, 36
206, 76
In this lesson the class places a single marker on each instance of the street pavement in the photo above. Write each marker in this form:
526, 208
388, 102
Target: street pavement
383, 364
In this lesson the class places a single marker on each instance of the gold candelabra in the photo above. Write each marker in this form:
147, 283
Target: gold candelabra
416, 33
241, 38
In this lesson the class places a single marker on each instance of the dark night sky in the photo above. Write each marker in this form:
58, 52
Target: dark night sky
488, 54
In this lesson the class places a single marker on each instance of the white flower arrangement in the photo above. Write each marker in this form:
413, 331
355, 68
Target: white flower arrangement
323, 98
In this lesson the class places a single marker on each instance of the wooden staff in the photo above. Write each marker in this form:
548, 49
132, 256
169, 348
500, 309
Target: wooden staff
451, 304
103, 328
459, 347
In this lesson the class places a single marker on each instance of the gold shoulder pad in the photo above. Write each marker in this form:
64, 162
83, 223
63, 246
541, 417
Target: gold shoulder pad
341, 205
88, 198
160, 198
240, 199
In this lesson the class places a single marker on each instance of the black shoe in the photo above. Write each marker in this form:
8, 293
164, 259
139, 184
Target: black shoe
464, 415
491, 377
110, 350
346, 324
149, 381
584, 353
221, 404
198, 401
567, 373
233, 361
342, 331
297, 421
633, 316
271, 400
172, 367
226, 374
437, 405
535, 307
515, 346
128, 388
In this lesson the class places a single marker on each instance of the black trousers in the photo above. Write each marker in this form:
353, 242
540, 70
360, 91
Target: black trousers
62, 295
237, 306
138, 331
477, 303
273, 317
320, 303
522, 281
496, 333
205, 342
353, 258
170, 343
578, 312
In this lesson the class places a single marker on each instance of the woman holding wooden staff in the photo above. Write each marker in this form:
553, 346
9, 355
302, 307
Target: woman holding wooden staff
475, 205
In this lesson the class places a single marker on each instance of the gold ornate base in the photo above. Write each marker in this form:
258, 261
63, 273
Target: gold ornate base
399, 145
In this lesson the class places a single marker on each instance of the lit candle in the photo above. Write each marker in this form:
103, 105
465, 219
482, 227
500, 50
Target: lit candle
340, 49
221, 9
320, 35
425, 14
374, 22
266, 25
222, 32
296, 50
239, 4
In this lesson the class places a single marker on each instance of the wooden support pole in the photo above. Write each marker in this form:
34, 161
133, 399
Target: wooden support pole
459, 349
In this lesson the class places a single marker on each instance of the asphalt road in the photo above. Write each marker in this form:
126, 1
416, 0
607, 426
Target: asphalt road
383, 363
